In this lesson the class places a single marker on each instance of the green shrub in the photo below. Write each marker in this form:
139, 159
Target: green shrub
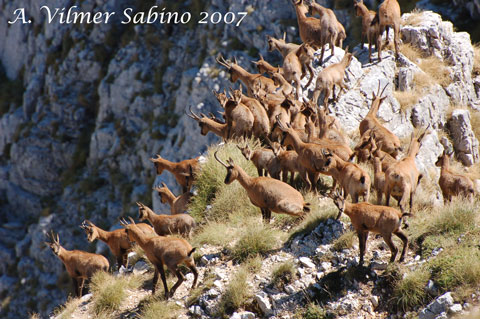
256, 240
155, 308
237, 292
313, 311
409, 292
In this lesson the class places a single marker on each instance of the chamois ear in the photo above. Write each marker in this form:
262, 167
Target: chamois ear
284, 36
131, 220
230, 162
139, 204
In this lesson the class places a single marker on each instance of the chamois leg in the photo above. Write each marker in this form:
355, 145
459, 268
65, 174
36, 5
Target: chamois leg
393, 249
370, 52
387, 195
194, 270
327, 91
264, 213
299, 91
387, 28
379, 47
292, 177
362, 40
164, 279
120, 261
396, 31
75, 286
321, 54
404, 239
333, 93
80, 286
180, 277
362, 241
285, 176
379, 197
260, 171
268, 215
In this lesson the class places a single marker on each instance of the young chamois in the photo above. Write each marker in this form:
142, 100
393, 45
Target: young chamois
329, 131
332, 30
402, 178
295, 65
453, 184
369, 30
389, 15
352, 178
286, 162
371, 125
182, 171
178, 204
80, 265
117, 240
366, 217
310, 28
249, 79
330, 76
238, 116
267, 193
209, 125
285, 88
160, 250
261, 122
281, 45
261, 158
167, 224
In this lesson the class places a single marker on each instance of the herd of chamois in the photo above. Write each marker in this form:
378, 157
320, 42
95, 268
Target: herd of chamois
298, 136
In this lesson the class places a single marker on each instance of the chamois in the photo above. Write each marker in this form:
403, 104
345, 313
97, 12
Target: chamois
333, 31
369, 30
116, 240
378, 179
238, 116
371, 125
295, 65
160, 250
249, 79
261, 123
265, 67
389, 15
167, 224
80, 265
366, 217
330, 76
284, 86
287, 162
261, 158
178, 204
182, 171
402, 178
352, 178
281, 45
209, 125
267, 193
453, 184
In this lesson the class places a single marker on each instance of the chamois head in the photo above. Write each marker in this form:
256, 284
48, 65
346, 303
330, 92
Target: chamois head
232, 173
54, 244
162, 192
271, 41
202, 119
90, 230
221, 97
357, 4
377, 99
157, 162
128, 228
306, 52
445, 156
329, 161
299, 5
142, 211
347, 58
231, 67
339, 201
246, 151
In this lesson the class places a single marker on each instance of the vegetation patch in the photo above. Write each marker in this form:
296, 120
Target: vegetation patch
345, 241
476, 59
409, 292
236, 293
155, 308
284, 274
66, 311
256, 240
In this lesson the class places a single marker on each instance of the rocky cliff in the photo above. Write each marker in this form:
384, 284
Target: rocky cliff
83, 108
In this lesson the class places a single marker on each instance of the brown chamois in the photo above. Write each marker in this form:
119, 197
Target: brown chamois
80, 265
367, 149
267, 193
287, 162
371, 125
295, 65
369, 30
261, 158
160, 250
328, 130
284, 86
117, 240
261, 122
178, 204
330, 76
389, 15
351, 178
182, 171
249, 79
402, 178
333, 31
167, 224
281, 45
378, 179
238, 117
366, 217
209, 125
453, 184
265, 67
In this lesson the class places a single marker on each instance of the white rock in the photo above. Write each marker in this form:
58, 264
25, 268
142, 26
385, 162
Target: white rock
264, 303
374, 300
196, 310
456, 308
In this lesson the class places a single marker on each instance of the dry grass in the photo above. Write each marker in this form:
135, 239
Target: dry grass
411, 52
436, 69
476, 59
66, 311
283, 274
236, 293
415, 18
475, 122
345, 241
157, 308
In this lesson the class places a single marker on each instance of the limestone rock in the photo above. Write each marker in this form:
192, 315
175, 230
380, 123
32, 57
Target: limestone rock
464, 140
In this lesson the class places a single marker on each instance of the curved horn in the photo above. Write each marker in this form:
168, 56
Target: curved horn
123, 222
384, 88
193, 115
219, 160
163, 184
131, 220
220, 60
284, 36
235, 60
139, 204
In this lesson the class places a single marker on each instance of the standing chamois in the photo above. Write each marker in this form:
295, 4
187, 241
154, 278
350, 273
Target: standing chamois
160, 250
261, 158
184, 171
453, 184
367, 218
178, 204
370, 30
117, 240
209, 125
80, 265
281, 45
267, 193
330, 76
389, 15
295, 65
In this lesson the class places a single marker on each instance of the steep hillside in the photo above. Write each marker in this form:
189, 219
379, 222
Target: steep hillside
83, 108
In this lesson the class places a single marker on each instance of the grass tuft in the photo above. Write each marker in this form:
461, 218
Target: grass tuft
66, 311
319, 213
345, 241
157, 308
283, 274
476, 59
312, 311
256, 240
409, 292
236, 293
207, 283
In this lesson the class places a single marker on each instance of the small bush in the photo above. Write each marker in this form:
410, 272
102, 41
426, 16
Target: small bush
236, 294
283, 274
345, 241
155, 308
215, 233
253, 264
256, 240
409, 292
110, 291
313, 311
66, 311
